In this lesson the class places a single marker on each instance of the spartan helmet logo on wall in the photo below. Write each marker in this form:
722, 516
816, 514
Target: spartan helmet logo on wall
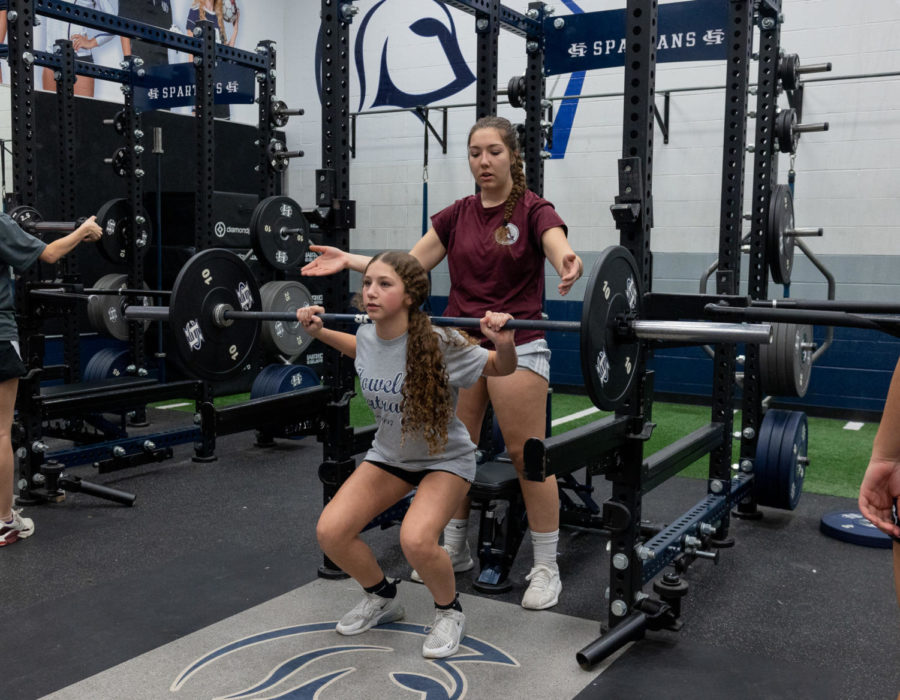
387, 73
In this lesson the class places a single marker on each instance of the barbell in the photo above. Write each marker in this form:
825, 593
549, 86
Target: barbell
213, 315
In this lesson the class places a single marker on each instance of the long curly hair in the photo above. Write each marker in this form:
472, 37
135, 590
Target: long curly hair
510, 139
426, 406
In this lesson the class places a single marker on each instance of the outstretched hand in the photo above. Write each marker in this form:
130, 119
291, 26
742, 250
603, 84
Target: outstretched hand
330, 261
573, 268
879, 488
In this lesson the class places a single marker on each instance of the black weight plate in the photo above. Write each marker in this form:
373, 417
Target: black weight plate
850, 526
785, 132
280, 233
608, 362
263, 384
768, 362
285, 337
112, 218
788, 67
779, 247
279, 118
26, 217
204, 348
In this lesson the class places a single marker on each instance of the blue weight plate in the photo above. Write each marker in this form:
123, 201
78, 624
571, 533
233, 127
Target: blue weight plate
768, 445
262, 384
850, 526
297, 377
791, 471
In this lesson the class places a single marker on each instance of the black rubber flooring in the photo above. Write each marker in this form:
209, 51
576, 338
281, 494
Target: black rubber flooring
787, 612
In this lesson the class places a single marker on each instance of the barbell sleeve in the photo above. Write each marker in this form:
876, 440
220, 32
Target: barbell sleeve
703, 331
815, 68
151, 313
806, 128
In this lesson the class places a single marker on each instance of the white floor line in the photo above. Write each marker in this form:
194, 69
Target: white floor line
853, 425
174, 405
575, 416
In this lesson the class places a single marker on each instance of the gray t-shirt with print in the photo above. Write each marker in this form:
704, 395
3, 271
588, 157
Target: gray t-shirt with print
381, 366
18, 252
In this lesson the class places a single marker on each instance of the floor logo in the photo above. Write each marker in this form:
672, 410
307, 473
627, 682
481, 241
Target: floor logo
305, 675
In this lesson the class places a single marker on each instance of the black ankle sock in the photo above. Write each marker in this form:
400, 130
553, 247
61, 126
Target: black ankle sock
450, 606
384, 588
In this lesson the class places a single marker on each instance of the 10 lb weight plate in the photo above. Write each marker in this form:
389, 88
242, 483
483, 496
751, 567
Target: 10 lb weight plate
779, 245
608, 361
280, 233
212, 278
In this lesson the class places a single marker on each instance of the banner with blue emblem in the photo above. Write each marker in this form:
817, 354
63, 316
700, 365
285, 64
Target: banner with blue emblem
688, 31
174, 85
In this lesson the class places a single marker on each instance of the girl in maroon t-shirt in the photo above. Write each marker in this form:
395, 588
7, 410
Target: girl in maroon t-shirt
496, 243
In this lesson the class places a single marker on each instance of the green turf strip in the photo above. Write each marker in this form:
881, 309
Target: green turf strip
837, 457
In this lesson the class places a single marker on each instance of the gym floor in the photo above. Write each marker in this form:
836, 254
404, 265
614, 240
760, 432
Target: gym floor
786, 613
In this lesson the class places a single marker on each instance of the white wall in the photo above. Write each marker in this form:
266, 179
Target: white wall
847, 178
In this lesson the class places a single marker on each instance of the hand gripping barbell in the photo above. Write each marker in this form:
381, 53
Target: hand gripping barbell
216, 292
113, 217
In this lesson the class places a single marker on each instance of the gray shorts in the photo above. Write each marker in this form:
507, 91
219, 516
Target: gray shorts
535, 356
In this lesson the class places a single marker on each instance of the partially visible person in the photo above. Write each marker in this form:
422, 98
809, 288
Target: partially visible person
214, 11
410, 374
3, 6
18, 251
496, 243
157, 13
879, 493
84, 41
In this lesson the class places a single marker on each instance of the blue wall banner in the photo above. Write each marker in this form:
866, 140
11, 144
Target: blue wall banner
174, 85
688, 31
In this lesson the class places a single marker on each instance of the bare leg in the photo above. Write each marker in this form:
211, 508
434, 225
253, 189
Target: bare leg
430, 511
7, 461
368, 492
470, 409
520, 404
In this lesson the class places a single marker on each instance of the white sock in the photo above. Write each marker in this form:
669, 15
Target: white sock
455, 533
544, 546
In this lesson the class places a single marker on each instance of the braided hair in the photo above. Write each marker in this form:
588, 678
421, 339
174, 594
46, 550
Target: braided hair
517, 170
426, 405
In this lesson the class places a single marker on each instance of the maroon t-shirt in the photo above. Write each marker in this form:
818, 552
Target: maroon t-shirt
485, 275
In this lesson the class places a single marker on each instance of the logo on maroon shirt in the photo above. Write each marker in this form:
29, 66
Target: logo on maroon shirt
512, 234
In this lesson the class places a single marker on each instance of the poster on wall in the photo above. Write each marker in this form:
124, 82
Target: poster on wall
235, 26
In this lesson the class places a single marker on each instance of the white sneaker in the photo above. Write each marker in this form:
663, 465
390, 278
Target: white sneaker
460, 558
445, 635
20, 528
543, 591
370, 611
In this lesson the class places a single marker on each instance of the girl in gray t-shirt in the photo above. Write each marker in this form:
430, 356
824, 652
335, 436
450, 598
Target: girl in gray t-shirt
409, 373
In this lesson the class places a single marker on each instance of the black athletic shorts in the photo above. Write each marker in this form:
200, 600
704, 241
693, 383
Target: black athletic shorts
11, 365
410, 477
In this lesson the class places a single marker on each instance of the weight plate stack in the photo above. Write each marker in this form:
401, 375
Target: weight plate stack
780, 464
108, 363
104, 311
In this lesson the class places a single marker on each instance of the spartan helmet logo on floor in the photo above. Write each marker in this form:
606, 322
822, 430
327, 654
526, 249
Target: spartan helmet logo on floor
335, 662
402, 59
